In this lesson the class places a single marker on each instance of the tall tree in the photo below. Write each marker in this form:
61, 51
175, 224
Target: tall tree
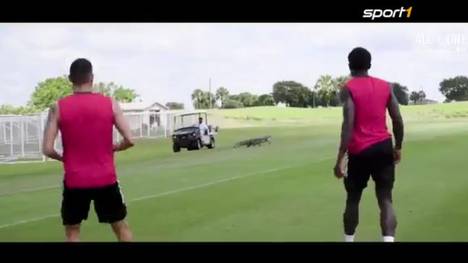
340, 83
314, 99
455, 88
50, 90
326, 89
417, 97
299, 96
197, 98
280, 91
209, 100
414, 97
291, 93
401, 93
265, 100
247, 99
222, 94
422, 95
202, 99
47, 92
118, 92
124, 94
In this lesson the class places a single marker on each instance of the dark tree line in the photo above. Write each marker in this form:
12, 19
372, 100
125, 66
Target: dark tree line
223, 99
325, 92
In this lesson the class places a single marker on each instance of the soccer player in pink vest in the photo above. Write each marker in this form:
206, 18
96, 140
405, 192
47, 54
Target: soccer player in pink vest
85, 121
366, 140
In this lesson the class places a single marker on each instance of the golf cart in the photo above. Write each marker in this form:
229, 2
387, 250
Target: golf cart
190, 135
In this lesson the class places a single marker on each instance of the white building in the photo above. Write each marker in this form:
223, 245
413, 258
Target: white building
134, 107
145, 117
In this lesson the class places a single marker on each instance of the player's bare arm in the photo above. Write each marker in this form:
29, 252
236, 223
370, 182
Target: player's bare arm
346, 130
50, 134
397, 123
122, 126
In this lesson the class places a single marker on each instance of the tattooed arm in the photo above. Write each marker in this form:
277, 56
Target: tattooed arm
397, 123
346, 130
50, 134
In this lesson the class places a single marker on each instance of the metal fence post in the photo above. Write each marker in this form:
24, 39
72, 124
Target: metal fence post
166, 124
141, 126
22, 135
11, 137
148, 115
4, 132
39, 135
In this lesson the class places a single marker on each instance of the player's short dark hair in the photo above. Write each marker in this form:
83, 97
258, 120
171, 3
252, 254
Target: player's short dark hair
80, 71
359, 59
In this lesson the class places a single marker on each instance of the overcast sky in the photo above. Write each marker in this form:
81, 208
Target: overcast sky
165, 62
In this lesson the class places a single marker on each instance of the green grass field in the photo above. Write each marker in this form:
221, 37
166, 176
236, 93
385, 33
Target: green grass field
279, 192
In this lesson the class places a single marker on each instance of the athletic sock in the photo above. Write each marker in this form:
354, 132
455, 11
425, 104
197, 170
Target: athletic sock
349, 238
388, 239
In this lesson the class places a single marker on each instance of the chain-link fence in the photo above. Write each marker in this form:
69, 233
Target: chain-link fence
147, 125
21, 136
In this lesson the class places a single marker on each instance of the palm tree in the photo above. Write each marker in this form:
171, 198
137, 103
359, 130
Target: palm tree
341, 81
222, 94
325, 87
340, 84
197, 98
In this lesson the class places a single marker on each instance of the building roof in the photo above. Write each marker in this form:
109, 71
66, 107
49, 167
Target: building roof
142, 106
194, 112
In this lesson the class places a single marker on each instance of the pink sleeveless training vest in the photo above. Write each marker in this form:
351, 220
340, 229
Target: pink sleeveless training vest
370, 96
86, 125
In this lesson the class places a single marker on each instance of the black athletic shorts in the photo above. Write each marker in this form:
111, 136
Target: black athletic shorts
108, 204
376, 161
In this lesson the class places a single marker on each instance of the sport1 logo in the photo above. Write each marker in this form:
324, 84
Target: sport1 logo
387, 13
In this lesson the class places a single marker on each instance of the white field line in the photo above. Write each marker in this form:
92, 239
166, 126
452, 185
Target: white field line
20, 162
20, 222
49, 187
27, 190
176, 191
206, 184
57, 186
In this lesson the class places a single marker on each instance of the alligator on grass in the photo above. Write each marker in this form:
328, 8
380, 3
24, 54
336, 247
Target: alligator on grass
253, 142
